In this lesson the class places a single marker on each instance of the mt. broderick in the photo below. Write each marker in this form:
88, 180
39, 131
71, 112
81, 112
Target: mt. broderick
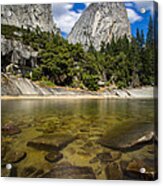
99, 23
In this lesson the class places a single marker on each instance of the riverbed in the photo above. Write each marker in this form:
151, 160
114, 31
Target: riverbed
79, 128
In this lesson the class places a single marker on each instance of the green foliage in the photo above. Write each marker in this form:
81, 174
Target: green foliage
36, 74
46, 84
91, 82
10, 31
123, 62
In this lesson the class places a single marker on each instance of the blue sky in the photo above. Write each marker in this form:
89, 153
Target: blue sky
66, 14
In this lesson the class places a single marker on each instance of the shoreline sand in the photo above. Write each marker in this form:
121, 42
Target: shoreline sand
71, 97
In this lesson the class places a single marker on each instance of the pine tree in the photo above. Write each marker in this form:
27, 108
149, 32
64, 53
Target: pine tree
150, 33
150, 53
142, 38
138, 37
134, 66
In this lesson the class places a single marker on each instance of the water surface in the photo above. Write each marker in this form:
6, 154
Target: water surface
87, 119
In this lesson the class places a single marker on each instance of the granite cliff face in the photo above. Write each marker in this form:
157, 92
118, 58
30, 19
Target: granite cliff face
18, 58
17, 55
29, 16
98, 23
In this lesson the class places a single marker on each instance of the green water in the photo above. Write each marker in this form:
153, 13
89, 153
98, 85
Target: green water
87, 119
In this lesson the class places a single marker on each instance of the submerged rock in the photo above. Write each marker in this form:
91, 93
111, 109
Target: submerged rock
31, 172
129, 136
70, 172
27, 171
108, 156
113, 171
54, 156
145, 169
93, 160
53, 142
9, 172
3, 151
37, 174
10, 129
15, 157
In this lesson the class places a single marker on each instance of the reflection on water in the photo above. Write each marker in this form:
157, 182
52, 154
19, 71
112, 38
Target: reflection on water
89, 120
123, 109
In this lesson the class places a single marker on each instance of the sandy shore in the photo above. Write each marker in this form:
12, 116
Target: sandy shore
71, 97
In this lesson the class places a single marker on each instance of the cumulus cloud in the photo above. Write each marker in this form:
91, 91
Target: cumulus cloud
65, 17
134, 9
87, 4
133, 16
129, 4
148, 5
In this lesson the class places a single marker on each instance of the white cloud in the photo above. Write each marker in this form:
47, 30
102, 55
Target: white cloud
129, 4
138, 5
148, 5
87, 4
133, 16
65, 17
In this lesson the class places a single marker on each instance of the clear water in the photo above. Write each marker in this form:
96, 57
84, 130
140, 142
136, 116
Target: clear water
87, 119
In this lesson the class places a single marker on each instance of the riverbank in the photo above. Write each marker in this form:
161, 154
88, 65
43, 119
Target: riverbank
137, 93
71, 97
23, 88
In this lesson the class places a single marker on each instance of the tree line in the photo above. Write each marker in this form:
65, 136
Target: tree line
125, 62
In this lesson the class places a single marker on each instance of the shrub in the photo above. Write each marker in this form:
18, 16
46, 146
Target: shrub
91, 82
36, 74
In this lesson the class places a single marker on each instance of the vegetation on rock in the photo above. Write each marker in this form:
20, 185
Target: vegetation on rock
121, 62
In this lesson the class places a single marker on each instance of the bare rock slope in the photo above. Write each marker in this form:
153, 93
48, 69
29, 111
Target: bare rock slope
29, 16
99, 23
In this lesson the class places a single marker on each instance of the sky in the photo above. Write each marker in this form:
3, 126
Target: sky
66, 14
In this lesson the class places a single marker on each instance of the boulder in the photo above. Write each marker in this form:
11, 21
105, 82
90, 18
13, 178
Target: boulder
53, 142
134, 168
129, 136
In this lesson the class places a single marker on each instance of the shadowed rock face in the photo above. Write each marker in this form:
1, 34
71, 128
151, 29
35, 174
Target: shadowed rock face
29, 16
99, 23
17, 54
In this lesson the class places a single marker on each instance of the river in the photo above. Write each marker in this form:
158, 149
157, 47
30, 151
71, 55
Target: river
87, 120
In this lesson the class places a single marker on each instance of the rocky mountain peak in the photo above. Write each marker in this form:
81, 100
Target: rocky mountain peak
99, 23
29, 16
